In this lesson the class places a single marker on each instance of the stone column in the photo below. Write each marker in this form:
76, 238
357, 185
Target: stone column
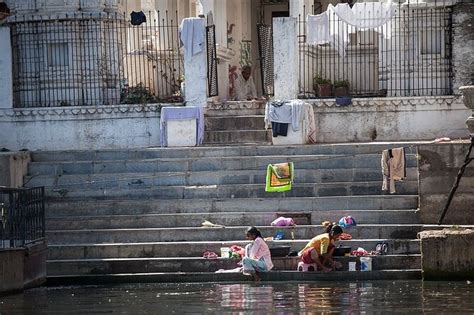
463, 41
6, 75
285, 50
195, 74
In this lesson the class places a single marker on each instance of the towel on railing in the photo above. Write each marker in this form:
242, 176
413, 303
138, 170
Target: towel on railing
279, 177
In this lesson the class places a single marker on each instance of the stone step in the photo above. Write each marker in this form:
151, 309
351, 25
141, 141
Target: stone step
83, 207
236, 123
204, 178
196, 249
231, 108
226, 219
237, 136
228, 151
222, 177
232, 191
98, 236
364, 161
200, 277
198, 264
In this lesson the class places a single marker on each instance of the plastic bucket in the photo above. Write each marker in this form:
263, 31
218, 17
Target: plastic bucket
225, 252
365, 264
352, 266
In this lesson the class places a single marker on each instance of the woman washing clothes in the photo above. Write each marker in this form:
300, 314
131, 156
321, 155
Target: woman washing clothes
257, 255
320, 248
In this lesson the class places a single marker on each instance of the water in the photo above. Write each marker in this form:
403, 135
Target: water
247, 298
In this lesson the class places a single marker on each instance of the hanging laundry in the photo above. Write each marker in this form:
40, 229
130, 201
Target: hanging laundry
393, 168
338, 22
279, 177
192, 35
137, 18
279, 129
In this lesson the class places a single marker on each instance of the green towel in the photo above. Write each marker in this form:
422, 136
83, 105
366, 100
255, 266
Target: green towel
279, 177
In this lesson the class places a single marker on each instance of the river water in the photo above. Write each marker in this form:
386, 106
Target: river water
415, 297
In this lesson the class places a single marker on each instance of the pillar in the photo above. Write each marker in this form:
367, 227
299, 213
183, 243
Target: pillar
195, 74
463, 41
285, 50
6, 74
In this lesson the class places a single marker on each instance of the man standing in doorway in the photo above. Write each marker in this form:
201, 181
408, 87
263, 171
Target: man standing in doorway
244, 85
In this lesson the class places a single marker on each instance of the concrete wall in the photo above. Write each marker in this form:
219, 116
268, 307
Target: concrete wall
22, 268
6, 74
13, 166
463, 43
69, 128
391, 119
11, 270
438, 167
447, 254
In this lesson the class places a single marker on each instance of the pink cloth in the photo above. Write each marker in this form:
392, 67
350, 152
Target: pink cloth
282, 221
259, 250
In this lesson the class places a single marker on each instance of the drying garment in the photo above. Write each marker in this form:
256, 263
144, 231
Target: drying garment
279, 177
288, 112
181, 113
343, 20
393, 168
279, 129
192, 36
137, 18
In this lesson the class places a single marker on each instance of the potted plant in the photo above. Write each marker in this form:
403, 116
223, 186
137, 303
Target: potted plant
322, 86
341, 88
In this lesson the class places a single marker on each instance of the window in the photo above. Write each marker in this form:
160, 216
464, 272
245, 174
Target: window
430, 42
58, 55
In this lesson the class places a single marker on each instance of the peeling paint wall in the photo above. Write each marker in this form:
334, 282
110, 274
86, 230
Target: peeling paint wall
80, 128
391, 119
463, 45
438, 166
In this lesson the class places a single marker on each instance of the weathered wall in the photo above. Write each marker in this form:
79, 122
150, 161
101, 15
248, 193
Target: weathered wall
463, 43
69, 128
11, 270
22, 268
447, 254
6, 74
438, 167
13, 166
390, 119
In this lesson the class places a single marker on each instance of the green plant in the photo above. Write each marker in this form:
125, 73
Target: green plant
341, 83
138, 94
318, 79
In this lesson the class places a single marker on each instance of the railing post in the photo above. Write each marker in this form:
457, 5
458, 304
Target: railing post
6, 75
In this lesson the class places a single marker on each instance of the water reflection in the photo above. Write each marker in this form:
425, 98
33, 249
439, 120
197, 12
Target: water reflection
248, 298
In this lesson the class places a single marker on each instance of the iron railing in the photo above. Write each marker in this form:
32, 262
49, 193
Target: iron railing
22, 216
212, 79
414, 61
95, 59
265, 51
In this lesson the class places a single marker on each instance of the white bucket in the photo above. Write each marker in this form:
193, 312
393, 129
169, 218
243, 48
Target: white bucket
225, 252
365, 263
352, 266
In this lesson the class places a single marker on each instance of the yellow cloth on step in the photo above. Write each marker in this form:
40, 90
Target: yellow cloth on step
279, 177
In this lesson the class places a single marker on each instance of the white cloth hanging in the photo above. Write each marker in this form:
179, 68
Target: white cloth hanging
192, 36
337, 22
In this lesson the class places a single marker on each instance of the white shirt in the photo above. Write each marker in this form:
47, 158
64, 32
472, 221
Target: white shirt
244, 89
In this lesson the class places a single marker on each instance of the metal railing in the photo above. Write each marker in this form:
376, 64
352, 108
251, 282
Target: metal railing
414, 60
22, 216
95, 59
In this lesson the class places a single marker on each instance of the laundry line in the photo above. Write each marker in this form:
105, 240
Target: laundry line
177, 173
